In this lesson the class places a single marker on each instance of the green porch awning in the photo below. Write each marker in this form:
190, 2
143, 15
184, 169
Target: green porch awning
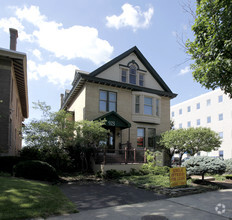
114, 120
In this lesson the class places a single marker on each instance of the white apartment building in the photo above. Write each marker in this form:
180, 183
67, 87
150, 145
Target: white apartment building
212, 110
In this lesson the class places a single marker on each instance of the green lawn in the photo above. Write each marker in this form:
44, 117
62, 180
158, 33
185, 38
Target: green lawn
20, 199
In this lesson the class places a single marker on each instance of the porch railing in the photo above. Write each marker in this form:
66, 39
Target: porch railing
123, 156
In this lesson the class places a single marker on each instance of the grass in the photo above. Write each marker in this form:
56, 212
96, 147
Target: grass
148, 180
21, 199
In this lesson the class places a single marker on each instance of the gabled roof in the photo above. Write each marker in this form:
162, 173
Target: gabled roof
20, 68
82, 77
113, 119
141, 58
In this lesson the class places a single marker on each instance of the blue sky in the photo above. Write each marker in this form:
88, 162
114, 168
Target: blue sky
61, 36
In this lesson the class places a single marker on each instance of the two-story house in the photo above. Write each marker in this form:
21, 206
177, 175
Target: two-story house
13, 97
129, 94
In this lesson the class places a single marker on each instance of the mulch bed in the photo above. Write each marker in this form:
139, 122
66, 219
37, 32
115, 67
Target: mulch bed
198, 186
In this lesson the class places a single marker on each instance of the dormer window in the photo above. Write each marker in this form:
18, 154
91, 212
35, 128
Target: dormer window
124, 75
132, 74
141, 79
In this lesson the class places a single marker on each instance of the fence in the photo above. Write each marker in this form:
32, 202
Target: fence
125, 155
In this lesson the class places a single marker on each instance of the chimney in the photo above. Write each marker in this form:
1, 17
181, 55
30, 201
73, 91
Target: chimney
61, 99
13, 38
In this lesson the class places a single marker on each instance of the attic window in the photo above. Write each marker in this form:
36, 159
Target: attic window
124, 75
132, 74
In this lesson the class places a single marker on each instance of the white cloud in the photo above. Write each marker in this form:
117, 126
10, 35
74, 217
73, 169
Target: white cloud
66, 43
56, 73
13, 22
131, 17
37, 54
32, 70
184, 71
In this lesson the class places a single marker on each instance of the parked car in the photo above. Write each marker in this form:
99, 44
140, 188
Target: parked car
186, 158
175, 161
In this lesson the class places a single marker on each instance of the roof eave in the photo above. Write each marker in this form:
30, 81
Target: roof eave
21, 60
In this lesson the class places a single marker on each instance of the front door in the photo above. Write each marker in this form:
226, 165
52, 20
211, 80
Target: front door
111, 140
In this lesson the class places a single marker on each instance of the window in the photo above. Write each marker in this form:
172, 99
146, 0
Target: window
108, 101
151, 137
209, 119
208, 102
220, 98
220, 134
141, 79
147, 106
189, 124
140, 137
157, 107
198, 105
124, 74
173, 114
180, 111
220, 117
132, 71
189, 109
221, 154
137, 103
198, 121
180, 125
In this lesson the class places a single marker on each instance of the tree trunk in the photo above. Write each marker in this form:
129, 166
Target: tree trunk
202, 177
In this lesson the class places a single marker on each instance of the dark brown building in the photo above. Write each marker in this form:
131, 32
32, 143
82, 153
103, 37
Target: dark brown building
13, 97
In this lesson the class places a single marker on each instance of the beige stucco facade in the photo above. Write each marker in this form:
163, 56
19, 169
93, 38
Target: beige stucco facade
86, 102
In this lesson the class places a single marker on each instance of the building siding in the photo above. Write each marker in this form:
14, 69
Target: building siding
211, 110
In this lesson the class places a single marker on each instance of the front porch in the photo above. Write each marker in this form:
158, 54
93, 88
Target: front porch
122, 159
118, 152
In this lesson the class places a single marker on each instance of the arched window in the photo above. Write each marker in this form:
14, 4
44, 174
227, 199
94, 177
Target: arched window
132, 74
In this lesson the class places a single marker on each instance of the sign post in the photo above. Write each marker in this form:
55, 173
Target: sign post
178, 176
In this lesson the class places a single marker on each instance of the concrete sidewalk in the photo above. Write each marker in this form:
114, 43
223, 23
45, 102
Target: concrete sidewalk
216, 205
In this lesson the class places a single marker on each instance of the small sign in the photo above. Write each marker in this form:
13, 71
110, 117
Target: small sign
178, 176
111, 123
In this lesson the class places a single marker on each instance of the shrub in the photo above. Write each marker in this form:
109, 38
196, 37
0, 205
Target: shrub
7, 163
30, 153
202, 164
156, 170
56, 157
35, 169
228, 163
114, 174
229, 176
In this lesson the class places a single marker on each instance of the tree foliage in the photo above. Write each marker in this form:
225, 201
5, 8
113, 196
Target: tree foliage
202, 165
212, 47
190, 140
57, 139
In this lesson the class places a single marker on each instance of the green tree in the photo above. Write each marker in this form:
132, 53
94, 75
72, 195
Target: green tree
174, 142
202, 165
211, 48
190, 140
58, 138
201, 139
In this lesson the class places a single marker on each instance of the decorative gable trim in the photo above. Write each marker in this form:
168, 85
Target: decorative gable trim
141, 58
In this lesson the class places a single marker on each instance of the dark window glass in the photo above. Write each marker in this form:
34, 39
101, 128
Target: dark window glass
132, 74
140, 137
141, 79
108, 101
137, 104
147, 106
124, 75
151, 137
